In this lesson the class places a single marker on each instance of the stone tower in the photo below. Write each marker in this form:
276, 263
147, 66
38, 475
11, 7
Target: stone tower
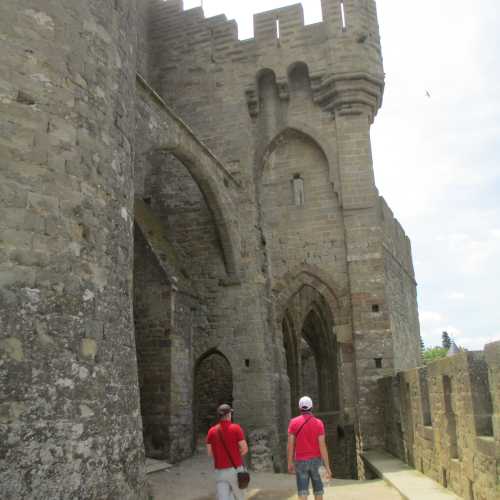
69, 418
289, 113
189, 219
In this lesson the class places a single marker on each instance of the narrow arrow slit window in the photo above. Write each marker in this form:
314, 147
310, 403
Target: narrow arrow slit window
342, 13
298, 190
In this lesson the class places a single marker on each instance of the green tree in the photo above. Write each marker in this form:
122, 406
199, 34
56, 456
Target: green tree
433, 353
446, 340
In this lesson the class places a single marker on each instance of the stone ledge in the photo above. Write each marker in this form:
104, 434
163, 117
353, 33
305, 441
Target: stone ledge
153, 466
486, 445
411, 484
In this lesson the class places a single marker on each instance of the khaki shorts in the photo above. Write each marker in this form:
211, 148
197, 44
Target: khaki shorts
227, 484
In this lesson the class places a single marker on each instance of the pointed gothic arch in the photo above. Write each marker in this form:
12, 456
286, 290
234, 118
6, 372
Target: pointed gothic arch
169, 134
327, 145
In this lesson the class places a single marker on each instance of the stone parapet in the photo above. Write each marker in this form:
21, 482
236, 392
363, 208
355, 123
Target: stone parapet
443, 420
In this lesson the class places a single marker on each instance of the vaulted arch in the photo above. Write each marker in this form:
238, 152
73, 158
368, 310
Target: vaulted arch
168, 133
291, 283
327, 145
307, 306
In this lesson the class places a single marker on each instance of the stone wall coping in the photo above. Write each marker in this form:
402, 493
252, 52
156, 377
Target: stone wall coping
411, 484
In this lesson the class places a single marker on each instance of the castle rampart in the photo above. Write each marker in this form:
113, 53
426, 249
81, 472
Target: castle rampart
444, 420
179, 206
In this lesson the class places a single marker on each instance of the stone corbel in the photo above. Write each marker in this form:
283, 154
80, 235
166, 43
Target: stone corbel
350, 94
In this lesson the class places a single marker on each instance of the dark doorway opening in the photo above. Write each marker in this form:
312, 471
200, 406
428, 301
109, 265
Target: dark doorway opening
213, 386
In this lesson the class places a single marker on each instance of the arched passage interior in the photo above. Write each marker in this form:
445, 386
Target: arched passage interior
311, 350
179, 261
313, 369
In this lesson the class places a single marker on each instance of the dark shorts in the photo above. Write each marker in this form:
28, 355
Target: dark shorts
306, 470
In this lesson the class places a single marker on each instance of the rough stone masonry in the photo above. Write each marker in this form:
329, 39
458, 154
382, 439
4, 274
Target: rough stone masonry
188, 219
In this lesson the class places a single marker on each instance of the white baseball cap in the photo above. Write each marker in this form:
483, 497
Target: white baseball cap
305, 403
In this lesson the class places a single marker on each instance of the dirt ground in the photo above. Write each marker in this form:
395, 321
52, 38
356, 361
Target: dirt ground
193, 480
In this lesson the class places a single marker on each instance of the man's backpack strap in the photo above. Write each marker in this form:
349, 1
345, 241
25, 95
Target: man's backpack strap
225, 447
302, 426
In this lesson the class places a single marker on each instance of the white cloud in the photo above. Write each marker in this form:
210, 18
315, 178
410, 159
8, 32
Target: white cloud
472, 253
430, 317
477, 343
436, 160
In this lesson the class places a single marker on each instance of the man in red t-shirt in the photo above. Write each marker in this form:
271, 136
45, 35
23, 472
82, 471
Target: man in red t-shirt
226, 444
306, 450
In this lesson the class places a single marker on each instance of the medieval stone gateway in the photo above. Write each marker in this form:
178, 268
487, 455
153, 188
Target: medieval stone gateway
186, 219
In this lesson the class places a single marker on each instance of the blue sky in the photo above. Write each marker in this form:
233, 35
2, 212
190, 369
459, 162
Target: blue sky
437, 158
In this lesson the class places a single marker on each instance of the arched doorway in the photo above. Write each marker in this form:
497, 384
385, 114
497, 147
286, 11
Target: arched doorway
213, 386
311, 350
179, 260
313, 365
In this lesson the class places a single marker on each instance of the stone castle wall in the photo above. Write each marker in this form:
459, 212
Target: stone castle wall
152, 219
444, 420
70, 423
400, 291
200, 208
300, 105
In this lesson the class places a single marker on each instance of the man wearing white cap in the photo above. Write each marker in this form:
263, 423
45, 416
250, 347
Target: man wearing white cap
307, 450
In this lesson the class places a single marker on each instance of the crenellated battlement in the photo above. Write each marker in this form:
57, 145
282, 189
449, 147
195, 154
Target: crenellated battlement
278, 27
444, 420
278, 24
342, 53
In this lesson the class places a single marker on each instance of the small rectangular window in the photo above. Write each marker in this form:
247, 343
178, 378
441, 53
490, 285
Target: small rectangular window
378, 362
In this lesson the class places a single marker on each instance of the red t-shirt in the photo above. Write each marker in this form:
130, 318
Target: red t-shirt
307, 443
232, 434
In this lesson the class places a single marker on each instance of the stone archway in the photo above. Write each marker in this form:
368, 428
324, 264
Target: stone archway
168, 134
307, 310
213, 385
298, 129
311, 350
